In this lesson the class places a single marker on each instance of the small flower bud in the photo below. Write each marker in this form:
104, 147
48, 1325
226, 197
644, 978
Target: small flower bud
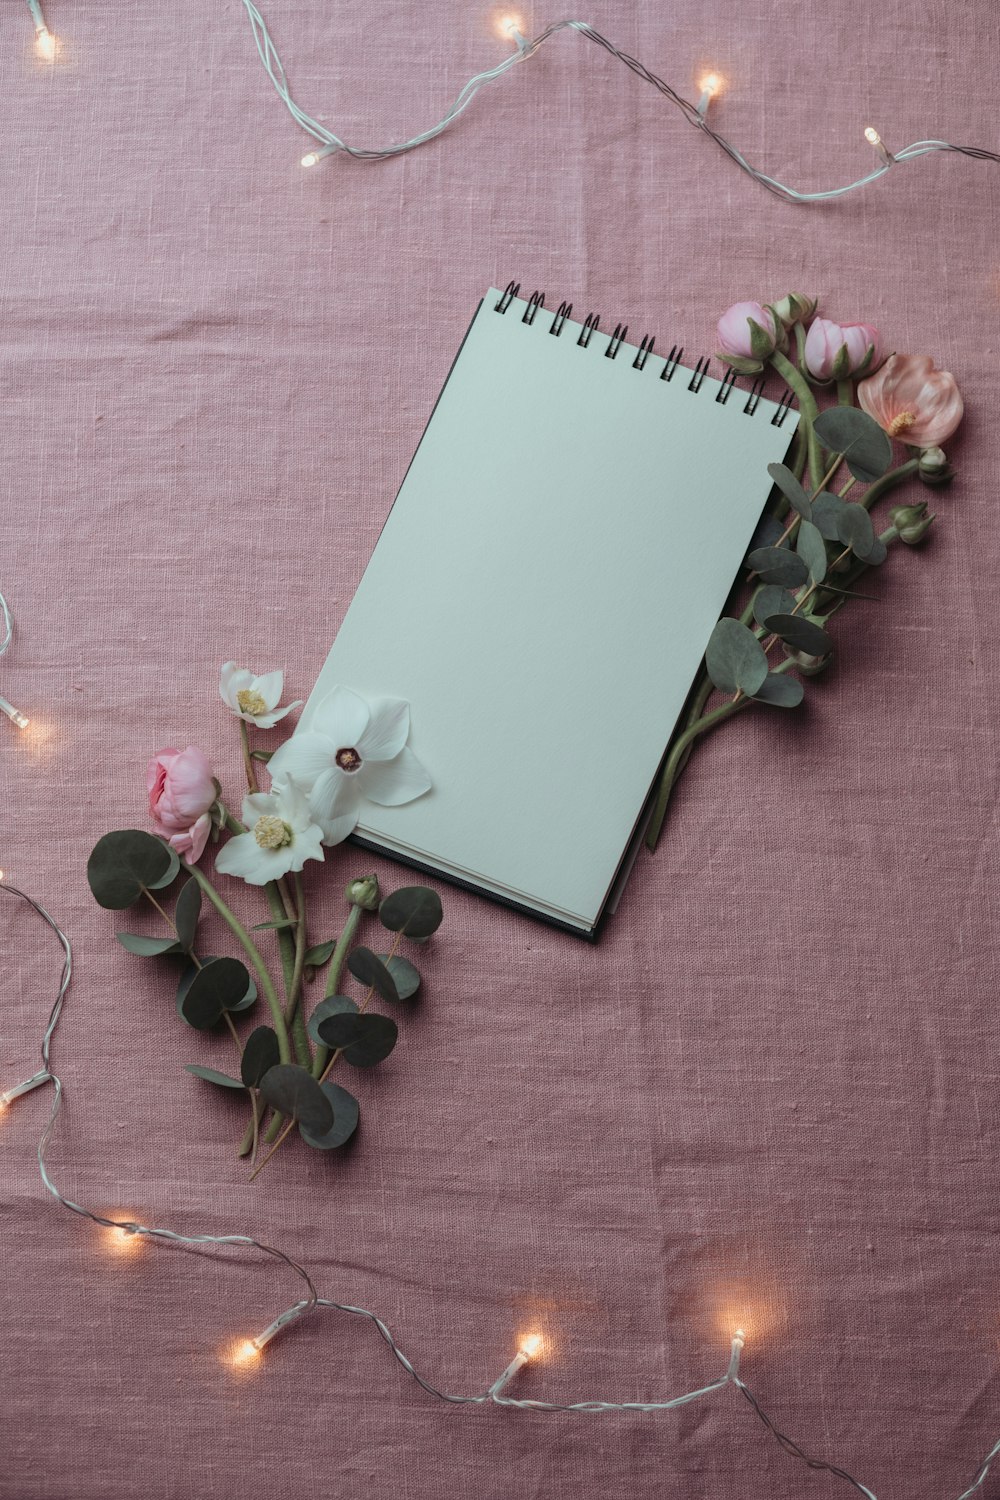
810, 666
363, 893
911, 522
934, 467
794, 309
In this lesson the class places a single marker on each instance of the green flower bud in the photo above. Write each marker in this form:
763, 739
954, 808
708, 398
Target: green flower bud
794, 309
363, 893
810, 666
911, 522
741, 363
934, 467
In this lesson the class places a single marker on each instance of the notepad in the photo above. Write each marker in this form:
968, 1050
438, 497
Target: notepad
542, 594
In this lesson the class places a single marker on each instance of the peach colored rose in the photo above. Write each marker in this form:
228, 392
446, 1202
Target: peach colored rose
912, 400
181, 791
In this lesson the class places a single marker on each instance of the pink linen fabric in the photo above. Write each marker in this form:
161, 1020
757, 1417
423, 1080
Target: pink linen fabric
770, 1095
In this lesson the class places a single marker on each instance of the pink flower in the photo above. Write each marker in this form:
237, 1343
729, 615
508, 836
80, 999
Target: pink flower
748, 333
912, 400
181, 791
836, 350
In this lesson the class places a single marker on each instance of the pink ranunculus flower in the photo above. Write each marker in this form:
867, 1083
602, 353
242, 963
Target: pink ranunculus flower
836, 350
181, 791
912, 400
748, 330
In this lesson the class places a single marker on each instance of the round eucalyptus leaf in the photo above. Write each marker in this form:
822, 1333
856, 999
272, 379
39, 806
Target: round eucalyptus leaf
371, 971
345, 1120
186, 913
320, 954
866, 449
804, 635
766, 533
249, 999
260, 1053
414, 910
171, 872
222, 1080
780, 691
735, 658
778, 565
336, 1005
770, 600
855, 530
364, 1039
294, 1093
791, 489
405, 976
147, 947
124, 864
812, 549
827, 510
217, 986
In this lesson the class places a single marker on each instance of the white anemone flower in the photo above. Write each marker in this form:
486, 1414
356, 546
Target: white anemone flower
352, 751
254, 699
281, 835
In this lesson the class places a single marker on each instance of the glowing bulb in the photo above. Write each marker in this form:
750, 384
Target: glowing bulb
739, 1334
121, 1240
710, 85
14, 714
246, 1352
532, 1345
510, 27
872, 136
45, 42
310, 159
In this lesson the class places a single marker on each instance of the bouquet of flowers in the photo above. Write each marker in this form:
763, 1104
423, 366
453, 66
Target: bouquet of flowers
353, 751
817, 540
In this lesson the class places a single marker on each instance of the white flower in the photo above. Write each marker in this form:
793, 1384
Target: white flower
281, 836
353, 750
254, 699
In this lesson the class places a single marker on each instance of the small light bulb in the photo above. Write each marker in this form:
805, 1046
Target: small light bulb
872, 136
246, 1352
510, 27
310, 159
122, 1240
739, 1334
532, 1345
46, 44
874, 139
710, 85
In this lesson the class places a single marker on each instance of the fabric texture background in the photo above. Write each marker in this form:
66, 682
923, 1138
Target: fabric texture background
769, 1095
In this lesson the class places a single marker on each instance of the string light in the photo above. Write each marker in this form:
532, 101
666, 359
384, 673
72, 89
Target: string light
874, 139
509, 27
14, 714
45, 42
710, 85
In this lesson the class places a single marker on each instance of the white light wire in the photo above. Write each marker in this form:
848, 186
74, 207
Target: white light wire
330, 143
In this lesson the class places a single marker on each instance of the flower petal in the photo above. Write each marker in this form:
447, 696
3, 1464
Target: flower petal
232, 679
268, 721
393, 782
305, 756
269, 687
343, 717
333, 794
387, 729
306, 845
260, 805
338, 829
244, 858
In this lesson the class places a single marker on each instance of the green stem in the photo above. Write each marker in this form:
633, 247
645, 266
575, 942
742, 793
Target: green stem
808, 409
845, 392
675, 760
337, 958
253, 953
293, 1010
888, 481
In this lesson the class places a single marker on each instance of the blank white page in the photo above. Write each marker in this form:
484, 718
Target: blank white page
542, 594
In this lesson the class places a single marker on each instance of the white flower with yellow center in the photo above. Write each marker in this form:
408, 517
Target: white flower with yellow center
254, 699
352, 751
281, 835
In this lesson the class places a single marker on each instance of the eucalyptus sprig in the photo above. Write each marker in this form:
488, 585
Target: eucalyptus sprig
814, 545
284, 1064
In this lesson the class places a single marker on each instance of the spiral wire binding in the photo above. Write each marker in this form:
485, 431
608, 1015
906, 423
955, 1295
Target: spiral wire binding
645, 349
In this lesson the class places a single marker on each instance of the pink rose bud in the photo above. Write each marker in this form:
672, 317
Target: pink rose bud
913, 401
181, 791
748, 334
836, 350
